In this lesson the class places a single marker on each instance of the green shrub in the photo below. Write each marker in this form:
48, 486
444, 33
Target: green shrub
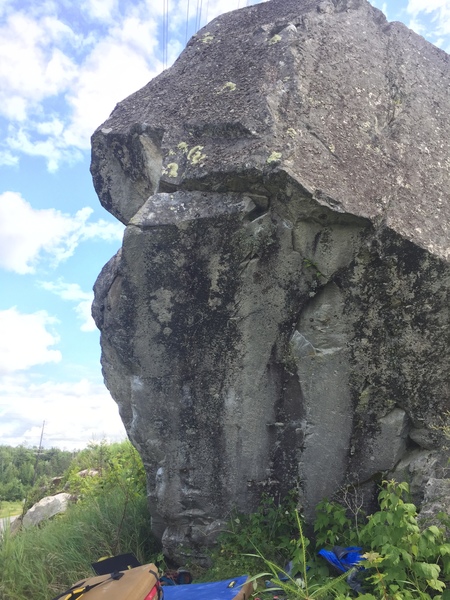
402, 562
306, 578
269, 530
407, 563
116, 464
333, 527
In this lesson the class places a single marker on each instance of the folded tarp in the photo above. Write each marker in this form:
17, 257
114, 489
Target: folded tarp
237, 589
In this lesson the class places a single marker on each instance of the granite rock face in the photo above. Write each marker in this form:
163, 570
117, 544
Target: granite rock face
278, 315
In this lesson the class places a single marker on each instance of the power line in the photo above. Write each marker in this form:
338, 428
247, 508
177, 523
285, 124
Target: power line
165, 33
197, 17
38, 455
187, 21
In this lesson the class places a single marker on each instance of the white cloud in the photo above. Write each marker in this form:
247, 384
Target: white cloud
100, 10
438, 23
84, 75
28, 235
418, 26
8, 159
73, 293
4, 5
32, 66
98, 87
83, 310
14, 107
53, 127
109, 231
58, 83
53, 148
427, 6
75, 413
25, 340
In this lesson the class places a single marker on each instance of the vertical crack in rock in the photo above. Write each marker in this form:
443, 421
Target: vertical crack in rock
278, 314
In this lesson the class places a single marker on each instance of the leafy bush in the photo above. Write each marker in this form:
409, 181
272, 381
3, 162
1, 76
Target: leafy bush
115, 464
402, 562
303, 578
408, 563
269, 530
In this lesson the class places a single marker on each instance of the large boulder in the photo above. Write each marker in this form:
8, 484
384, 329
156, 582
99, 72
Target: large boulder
46, 508
278, 315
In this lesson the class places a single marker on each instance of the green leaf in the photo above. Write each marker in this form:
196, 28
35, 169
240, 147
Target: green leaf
406, 557
434, 530
444, 549
436, 584
259, 576
427, 570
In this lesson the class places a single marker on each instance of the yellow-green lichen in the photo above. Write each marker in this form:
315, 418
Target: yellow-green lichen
207, 38
274, 157
291, 132
183, 147
171, 170
195, 155
171, 152
275, 39
229, 86
364, 399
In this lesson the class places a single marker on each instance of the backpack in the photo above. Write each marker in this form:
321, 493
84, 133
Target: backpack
138, 583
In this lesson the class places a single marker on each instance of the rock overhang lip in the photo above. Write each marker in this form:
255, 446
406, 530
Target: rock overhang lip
152, 112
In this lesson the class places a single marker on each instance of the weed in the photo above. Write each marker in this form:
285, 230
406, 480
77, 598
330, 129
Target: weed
271, 529
309, 264
303, 580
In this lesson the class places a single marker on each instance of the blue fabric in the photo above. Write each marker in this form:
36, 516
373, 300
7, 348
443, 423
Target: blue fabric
332, 559
343, 559
218, 590
166, 581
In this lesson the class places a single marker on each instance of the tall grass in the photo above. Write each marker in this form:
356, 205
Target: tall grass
40, 562
7, 509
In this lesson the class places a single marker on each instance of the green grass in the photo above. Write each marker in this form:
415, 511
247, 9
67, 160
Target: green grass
41, 562
10, 509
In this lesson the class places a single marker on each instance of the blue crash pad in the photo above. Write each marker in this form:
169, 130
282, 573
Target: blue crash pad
218, 590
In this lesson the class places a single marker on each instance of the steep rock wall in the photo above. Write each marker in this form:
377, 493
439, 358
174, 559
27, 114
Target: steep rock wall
278, 315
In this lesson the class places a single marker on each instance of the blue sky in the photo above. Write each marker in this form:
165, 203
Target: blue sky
64, 64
